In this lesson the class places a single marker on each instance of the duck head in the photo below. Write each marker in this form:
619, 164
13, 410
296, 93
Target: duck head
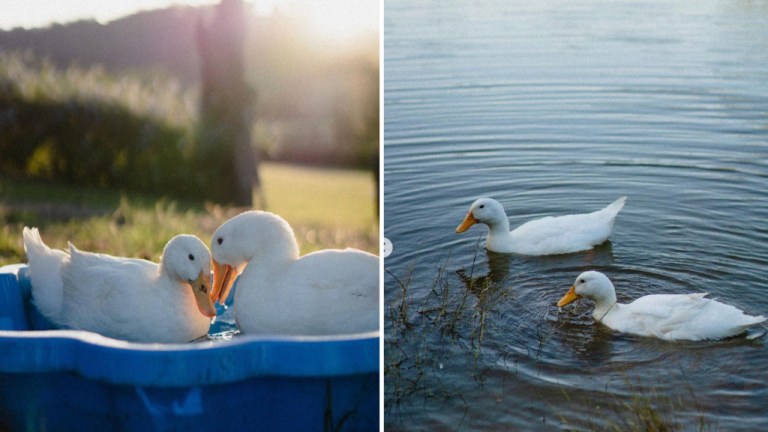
249, 236
486, 211
187, 259
593, 285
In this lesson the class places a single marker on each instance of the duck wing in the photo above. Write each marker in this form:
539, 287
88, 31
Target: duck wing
569, 233
683, 316
104, 294
45, 274
336, 291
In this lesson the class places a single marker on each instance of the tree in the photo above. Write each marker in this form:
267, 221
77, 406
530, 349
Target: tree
227, 106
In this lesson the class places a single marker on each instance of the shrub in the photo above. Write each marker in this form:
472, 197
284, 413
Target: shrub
84, 126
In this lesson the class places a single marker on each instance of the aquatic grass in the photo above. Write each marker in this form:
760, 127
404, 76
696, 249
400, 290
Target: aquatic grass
398, 311
403, 368
453, 311
423, 332
642, 409
447, 312
417, 328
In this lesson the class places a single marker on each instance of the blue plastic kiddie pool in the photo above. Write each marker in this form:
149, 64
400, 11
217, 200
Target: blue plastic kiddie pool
61, 380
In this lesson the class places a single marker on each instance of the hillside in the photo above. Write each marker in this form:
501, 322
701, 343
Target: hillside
153, 40
315, 104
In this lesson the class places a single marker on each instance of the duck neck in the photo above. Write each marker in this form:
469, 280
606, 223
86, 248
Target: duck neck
499, 230
603, 306
164, 271
279, 256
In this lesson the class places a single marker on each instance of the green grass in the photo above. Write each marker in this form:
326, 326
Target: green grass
320, 195
327, 209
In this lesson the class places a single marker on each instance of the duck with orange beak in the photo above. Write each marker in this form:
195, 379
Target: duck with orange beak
664, 316
279, 292
124, 298
546, 236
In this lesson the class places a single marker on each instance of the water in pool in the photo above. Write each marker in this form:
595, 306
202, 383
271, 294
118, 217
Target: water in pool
559, 107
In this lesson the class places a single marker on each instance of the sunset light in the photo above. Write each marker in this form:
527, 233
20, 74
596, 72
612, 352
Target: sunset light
331, 21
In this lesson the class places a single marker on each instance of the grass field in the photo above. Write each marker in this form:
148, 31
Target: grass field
328, 208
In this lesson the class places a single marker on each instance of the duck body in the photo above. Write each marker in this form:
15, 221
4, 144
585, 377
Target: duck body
679, 317
664, 316
304, 298
122, 298
546, 236
326, 292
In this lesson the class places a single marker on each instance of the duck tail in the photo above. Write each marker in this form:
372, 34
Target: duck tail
748, 322
44, 273
33, 244
758, 334
752, 320
616, 206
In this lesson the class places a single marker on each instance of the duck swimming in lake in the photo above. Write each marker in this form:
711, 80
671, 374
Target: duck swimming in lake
665, 316
124, 298
322, 293
546, 236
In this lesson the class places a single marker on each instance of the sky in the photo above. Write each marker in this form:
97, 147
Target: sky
332, 19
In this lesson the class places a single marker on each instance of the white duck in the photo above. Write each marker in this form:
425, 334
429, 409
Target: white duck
124, 298
322, 293
546, 236
665, 316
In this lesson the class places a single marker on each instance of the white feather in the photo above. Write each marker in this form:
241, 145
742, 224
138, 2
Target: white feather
665, 316
546, 236
322, 293
122, 298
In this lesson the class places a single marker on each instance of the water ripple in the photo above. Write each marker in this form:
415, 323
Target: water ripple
553, 108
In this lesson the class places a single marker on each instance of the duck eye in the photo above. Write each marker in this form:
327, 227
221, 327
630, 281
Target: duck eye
482, 205
581, 281
191, 257
220, 240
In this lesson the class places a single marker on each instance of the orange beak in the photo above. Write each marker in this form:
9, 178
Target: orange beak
223, 278
201, 288
569, 297
468, 222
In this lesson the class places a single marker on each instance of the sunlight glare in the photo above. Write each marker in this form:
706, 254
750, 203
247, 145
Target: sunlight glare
334, 22
331, 22
40, 13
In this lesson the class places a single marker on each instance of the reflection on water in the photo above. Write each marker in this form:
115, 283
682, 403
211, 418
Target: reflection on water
554, 107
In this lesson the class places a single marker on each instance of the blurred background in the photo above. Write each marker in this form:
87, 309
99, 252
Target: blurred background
116, 112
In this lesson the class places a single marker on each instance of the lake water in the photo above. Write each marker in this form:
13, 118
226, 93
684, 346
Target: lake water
558, 107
